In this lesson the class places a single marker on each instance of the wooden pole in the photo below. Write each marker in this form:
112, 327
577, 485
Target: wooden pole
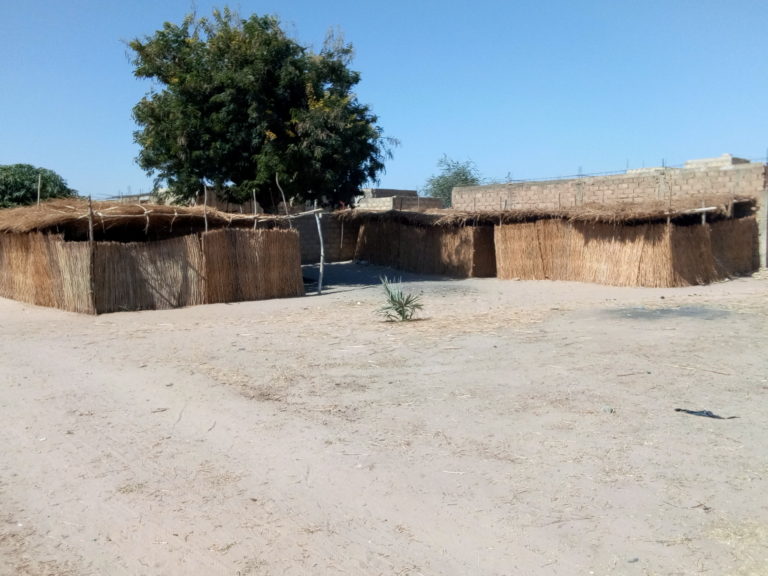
90, 221
254, 208
322, 254
205, 206
285, 204
91, 258
39, 185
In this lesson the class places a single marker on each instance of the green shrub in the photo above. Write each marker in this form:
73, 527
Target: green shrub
398, 306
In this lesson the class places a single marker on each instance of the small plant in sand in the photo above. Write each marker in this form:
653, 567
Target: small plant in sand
398, 306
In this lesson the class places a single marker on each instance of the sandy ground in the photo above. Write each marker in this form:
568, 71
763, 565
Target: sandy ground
517, 428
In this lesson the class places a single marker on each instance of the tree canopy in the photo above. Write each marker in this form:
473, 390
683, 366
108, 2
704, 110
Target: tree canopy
19, 182
237, 104
452, 173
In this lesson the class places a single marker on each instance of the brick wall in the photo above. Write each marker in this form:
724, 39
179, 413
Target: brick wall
339, 238
673, 185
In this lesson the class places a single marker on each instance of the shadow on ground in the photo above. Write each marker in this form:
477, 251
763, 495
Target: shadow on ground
353, 275
643, 313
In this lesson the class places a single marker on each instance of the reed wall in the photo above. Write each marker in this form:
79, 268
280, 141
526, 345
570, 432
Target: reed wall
656, 254
218, 266
459, 252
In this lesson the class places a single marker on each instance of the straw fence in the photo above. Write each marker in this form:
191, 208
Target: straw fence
650, 254
219, 266
244, 265
456, 251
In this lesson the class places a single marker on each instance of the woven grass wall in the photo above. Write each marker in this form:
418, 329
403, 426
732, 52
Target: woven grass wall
41, 269
656, 255
459, 252
731, 242
219, 266
148, 275
252, 265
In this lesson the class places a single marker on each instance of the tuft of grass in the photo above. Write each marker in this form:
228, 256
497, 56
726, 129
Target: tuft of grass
398, 305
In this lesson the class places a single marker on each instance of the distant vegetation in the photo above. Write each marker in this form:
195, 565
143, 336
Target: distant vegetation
19, 185
452, 173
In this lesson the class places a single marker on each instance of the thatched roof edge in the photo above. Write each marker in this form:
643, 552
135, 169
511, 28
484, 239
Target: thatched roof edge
74, 213
715, 208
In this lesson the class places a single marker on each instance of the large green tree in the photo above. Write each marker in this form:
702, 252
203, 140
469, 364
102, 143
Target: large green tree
19, 185
238, 105
452, 173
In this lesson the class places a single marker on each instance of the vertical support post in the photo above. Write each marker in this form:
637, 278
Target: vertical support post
255, 222
40, 185
91, 258
205, 206
762, 221
322, 254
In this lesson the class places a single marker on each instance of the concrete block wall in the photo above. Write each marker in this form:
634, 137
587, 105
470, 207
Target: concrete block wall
339, 238
413, 203
387, 192
674, 185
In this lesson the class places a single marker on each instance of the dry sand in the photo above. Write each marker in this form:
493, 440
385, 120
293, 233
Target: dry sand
518, 428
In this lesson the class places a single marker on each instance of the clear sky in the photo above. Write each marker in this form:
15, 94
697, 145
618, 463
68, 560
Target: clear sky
530, 89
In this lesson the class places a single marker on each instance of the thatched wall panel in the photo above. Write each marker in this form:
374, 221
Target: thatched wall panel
44, 270
378, 242
554, 245
278, 273
654, 266
654, 255
610, 253
148, 275
443, 250
27, 275
73, 287
252, 265
455, 247
735, 246
692, 261
517, 252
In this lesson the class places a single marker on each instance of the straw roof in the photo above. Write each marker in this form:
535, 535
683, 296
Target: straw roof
116, 221
716, 208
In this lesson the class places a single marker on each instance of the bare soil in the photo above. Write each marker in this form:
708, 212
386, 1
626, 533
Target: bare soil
516, 428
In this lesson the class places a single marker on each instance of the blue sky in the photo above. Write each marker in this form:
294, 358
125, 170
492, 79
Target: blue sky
530, 89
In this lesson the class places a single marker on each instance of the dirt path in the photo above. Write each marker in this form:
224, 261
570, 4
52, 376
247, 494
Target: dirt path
519, 428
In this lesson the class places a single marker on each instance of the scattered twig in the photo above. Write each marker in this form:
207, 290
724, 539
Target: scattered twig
684, 367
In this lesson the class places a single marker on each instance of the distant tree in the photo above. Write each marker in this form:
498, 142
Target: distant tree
238, 104
18, 185
452, 173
